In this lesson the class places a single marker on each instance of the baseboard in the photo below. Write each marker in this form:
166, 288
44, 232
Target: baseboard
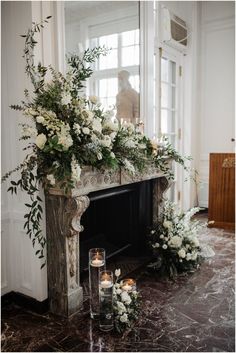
25, 301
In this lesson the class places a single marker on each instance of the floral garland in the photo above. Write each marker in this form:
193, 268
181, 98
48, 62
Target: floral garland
174, 241
67, 131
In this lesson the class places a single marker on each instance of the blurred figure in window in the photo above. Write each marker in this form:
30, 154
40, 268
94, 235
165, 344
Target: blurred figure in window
127, 100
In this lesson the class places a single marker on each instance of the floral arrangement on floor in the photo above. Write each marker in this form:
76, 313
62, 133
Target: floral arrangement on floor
66, 130
174, 241
126, 305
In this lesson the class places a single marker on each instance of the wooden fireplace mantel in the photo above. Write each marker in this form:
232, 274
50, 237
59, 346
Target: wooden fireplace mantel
63, 226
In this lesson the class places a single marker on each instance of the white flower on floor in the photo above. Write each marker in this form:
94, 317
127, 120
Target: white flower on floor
125, 298
86, 130
182, 253
167, 224
175, 242
124, 318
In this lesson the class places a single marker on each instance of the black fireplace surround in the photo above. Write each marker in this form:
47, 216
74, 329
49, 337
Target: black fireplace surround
117, 220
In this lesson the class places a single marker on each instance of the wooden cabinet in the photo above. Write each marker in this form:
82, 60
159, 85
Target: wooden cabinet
221, 207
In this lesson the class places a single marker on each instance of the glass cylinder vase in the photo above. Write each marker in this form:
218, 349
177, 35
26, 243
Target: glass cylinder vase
96, 265
106, 300
129, 284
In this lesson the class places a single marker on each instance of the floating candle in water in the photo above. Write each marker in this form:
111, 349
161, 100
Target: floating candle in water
97, 261
106, 284
129, 284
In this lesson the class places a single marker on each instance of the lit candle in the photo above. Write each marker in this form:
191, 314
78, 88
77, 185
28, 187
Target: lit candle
106, 281
97, 261
129, 284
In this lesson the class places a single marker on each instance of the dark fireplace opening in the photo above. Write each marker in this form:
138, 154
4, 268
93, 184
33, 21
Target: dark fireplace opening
117, 220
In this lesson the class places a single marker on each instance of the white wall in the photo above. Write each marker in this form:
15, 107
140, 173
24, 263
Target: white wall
20, 267
216, 115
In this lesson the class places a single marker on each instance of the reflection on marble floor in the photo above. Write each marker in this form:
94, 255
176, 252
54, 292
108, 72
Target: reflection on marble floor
195, 313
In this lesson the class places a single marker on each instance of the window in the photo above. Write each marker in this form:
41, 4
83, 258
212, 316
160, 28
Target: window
123, 55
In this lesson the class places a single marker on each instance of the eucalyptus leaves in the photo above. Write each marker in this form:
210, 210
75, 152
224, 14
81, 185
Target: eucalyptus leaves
67, 130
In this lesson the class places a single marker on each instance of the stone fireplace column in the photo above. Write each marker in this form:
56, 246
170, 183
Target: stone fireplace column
63, 227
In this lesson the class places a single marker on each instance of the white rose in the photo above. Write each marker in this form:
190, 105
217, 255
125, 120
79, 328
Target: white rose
164, 246
125, 298
175, 242
86, 130
51, 179
66, 99
97, 126
40, 119
93, 99
124, 318
121, 307
167, 224
182, 253
40, 141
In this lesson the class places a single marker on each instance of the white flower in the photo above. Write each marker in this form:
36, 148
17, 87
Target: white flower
113, 135
182, 253
65, 140
195, 241
118, 291
51, 179
121, 307
156, 245
161, 236
188, 256
130, 144
106, 142
124, 318
66, 98
167, 224
164, 246
89, 115
125, 298
99, 156
93, 99
75, 169
40, 141
110, 125
97, 126
40, 119
153, 231
77, 128
175, 242
86, 130
117, 272
112, 155
129, 166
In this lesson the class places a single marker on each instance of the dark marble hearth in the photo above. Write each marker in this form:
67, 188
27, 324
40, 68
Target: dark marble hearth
194, 313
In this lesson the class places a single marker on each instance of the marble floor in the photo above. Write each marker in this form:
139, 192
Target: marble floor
194, 313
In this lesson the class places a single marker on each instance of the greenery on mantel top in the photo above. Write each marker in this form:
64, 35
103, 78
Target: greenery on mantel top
66, 131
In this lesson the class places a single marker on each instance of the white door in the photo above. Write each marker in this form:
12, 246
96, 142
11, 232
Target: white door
171, 107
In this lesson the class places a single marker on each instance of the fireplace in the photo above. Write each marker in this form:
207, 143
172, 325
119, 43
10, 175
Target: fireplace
117, 220
110, 210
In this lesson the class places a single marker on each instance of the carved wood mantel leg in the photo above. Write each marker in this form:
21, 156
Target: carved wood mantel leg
63, 216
